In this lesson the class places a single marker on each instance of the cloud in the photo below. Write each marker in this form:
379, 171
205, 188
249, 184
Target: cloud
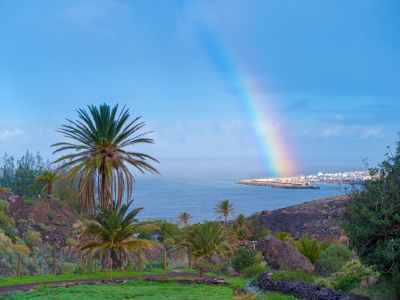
9, 133
373, 132
354, 131
335, 130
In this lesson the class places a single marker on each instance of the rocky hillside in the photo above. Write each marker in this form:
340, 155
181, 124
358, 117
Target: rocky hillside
321, 219
49, 217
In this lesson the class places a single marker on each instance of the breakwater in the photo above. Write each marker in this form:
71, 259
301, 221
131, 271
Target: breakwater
278, 184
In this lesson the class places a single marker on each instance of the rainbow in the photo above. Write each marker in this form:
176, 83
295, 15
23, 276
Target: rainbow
275, 150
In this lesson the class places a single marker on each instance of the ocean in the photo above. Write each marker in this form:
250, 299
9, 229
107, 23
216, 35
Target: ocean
165, 198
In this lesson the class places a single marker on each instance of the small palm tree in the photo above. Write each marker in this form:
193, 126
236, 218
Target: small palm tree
111, 235
98, 158
223, 209
48, 176
207, 240
184, 219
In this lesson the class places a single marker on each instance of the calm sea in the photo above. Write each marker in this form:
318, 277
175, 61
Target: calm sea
165, 198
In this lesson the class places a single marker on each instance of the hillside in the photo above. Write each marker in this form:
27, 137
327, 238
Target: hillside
321, 219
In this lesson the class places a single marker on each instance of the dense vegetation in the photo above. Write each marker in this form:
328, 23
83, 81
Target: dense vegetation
374, 219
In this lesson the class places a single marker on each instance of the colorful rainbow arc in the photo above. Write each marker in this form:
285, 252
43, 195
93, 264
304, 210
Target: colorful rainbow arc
275, 151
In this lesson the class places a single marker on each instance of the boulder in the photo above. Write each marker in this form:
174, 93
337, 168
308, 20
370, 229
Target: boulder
281, 255
303, 290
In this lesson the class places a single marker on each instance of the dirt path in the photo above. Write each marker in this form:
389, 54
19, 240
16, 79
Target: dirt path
68, 282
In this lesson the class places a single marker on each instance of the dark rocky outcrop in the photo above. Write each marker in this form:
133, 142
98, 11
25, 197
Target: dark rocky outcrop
320, 219
282, 255
303, 290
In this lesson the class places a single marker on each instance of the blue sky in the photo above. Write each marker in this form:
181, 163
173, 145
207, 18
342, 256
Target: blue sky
330, 69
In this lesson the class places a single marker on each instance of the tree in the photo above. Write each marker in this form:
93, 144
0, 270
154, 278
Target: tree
184, 219
373, 225
21, 176
48, 177
207, 240
223, 209
98, 157
110, 235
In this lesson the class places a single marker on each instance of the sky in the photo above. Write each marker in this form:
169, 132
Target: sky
326, 72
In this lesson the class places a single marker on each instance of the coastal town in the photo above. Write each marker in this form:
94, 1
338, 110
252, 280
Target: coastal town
309, 181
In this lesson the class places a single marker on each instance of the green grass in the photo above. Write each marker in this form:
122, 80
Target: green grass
293, 275
43, 278
136, 289
131, 290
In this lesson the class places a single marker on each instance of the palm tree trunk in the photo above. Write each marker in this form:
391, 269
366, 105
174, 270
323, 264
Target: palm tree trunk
165, 259
110, 264
189, 256
19, 265
54, 261
49, 189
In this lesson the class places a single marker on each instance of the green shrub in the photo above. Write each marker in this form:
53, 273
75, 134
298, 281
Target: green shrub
5, 219
333, 258
67, 267
284, 236
71, 242
243, 258
52, 214
4, 205
298, 275
310, 248
42, 227
29, 202
351, 274
346, 282
32, 238
253, 270
11, 232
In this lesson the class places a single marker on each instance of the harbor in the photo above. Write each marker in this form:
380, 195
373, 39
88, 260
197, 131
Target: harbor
309, 181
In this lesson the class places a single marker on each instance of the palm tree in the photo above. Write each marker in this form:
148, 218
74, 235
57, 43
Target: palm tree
48, 176
110, 235
223, 209
98, 158
184, 219
207, 240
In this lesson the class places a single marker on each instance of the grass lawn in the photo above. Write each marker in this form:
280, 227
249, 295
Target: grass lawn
136, 289
42, 278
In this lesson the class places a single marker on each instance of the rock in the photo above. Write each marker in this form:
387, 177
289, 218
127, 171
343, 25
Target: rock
320, 219
282, 255
303, 290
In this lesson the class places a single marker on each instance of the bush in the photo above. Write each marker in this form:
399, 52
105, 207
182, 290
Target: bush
351, 274
71, 242
253, 270
68, 267
346, 282
310, 248
28, 202
32, 238
5, 218
333, 258
52, 214
243, 258
373, 218
284, 236
298, 275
